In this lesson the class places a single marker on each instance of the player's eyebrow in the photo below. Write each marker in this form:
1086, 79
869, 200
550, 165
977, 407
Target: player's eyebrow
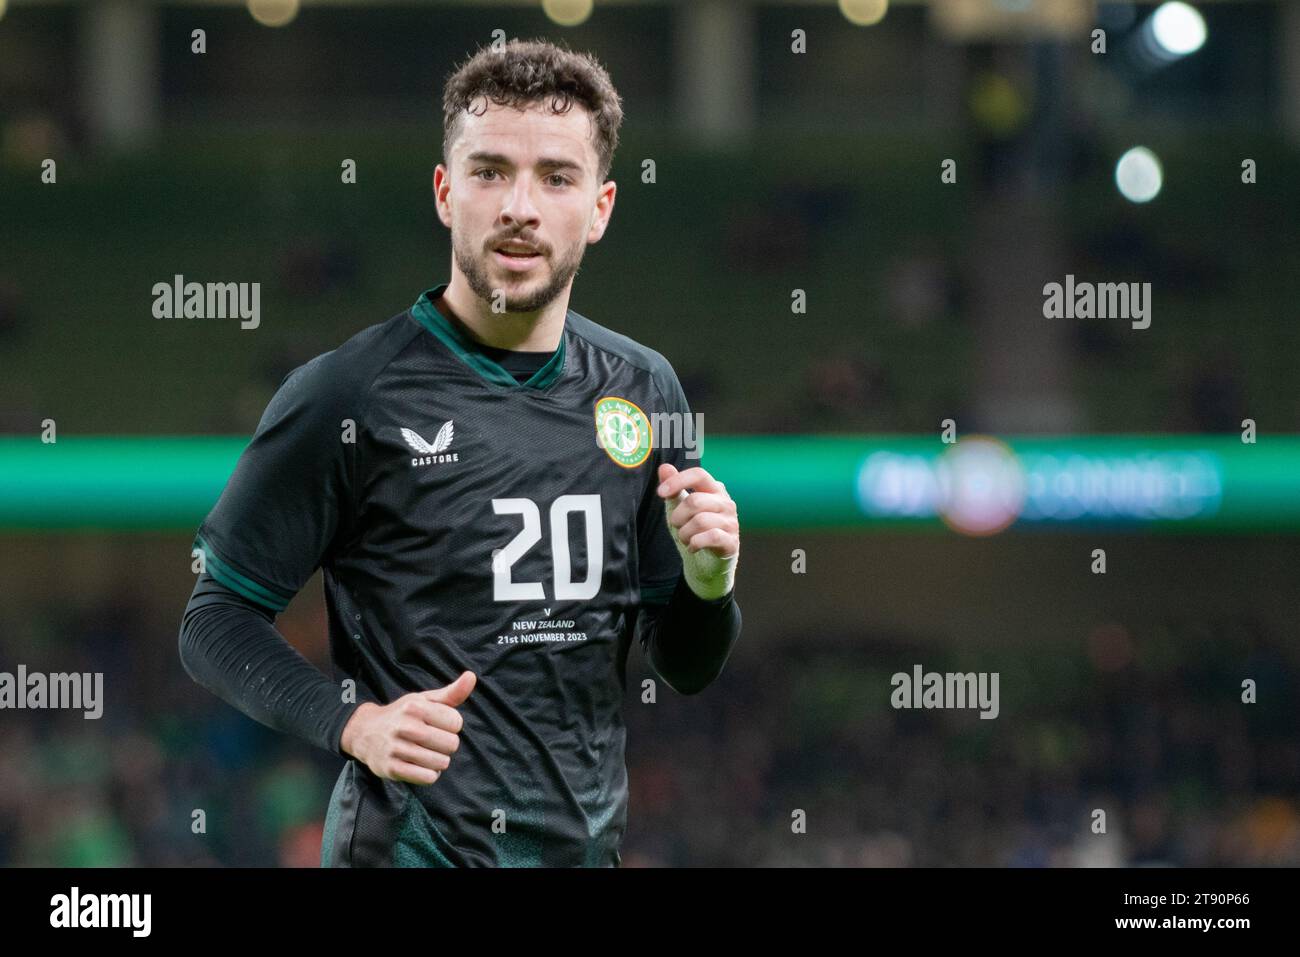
500, 159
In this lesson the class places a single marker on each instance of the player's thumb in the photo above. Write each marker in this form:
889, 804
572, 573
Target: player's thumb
455, 693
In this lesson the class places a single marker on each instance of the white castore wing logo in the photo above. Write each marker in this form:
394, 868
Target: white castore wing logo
437, 446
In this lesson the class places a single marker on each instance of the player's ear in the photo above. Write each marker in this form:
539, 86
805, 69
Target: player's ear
441, 189
603, 210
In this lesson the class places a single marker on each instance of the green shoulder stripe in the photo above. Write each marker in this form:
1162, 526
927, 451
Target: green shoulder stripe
232, 579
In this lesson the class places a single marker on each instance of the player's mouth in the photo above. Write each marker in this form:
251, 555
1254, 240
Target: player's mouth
517, 257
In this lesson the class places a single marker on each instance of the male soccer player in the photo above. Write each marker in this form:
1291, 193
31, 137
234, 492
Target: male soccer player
480, 480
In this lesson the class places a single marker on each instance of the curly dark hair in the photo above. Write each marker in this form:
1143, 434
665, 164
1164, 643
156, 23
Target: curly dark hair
522, 72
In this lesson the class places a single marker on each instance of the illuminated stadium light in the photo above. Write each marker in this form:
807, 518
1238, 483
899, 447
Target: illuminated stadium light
1178, 28
568, 13
864, 13
981, 482
1138, 175
273, 13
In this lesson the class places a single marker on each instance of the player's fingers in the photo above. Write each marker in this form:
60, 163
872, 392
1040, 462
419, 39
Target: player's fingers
421, 757
704, 522
694, 477
712, 538
436, 714
411, 773
435, 739
699, 502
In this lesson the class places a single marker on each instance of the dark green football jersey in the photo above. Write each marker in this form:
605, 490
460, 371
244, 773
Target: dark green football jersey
466, 521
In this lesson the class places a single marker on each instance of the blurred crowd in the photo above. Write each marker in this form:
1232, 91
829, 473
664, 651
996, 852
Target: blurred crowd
1149, 729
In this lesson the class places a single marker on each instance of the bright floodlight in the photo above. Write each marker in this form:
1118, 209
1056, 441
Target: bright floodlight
864, 13
273, 13
1178, 27
1138, 175
567, 13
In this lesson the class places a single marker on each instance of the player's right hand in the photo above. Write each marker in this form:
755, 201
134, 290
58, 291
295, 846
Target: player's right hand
413, 738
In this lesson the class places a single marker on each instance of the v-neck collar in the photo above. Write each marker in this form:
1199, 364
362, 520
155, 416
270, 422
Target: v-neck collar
467, 351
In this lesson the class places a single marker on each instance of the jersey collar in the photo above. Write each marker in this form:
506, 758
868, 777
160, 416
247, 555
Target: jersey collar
465, 349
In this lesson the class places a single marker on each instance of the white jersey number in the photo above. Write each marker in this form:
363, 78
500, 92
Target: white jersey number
505, 588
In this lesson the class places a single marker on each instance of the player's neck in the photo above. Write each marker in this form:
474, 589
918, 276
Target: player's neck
520, 331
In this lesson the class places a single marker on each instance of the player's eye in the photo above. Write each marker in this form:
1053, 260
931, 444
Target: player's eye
563, 180
485, 170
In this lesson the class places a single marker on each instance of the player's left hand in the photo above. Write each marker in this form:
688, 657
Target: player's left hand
704, 519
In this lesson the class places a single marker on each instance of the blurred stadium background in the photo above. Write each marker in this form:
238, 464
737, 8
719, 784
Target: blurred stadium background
775, 171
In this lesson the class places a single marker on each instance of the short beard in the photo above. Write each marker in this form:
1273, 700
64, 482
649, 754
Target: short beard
475, 273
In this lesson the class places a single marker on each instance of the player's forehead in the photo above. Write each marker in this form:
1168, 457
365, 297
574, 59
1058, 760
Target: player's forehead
528, 134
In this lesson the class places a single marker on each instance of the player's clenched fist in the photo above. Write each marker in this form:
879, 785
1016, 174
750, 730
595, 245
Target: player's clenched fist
705, 528
413, 738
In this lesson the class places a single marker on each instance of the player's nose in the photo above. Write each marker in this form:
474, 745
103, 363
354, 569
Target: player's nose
519, 209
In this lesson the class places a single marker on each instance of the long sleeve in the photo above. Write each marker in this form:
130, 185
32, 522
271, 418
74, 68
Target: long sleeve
229, 645
688, 639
